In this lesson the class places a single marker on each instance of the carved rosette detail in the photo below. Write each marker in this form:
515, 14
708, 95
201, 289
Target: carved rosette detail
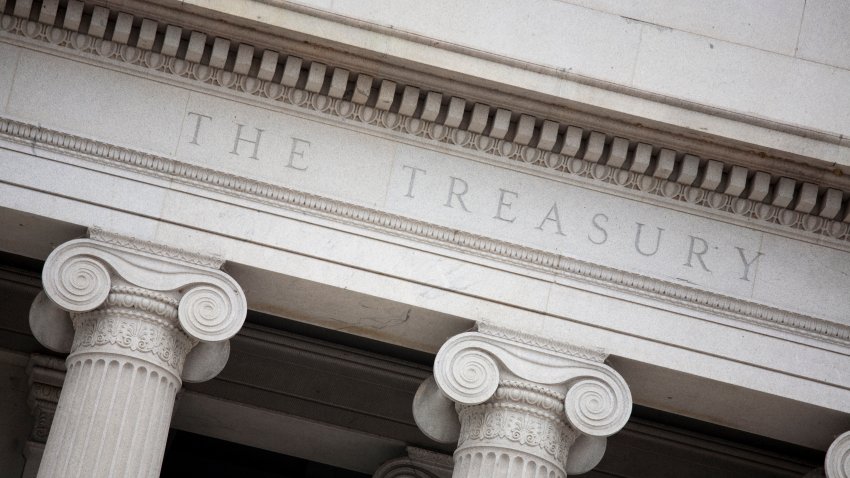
837, 464
525, 400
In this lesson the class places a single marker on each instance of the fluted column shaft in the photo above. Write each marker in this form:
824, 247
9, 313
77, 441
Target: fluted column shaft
123, 374
137, 319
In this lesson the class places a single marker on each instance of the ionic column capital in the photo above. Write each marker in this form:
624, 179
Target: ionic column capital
837, 463
112, 291
524, 394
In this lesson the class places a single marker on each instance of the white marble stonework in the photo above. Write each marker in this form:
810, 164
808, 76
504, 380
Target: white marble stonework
364, 166
45, 377
145, 317
401, 190
767, 54
520, 405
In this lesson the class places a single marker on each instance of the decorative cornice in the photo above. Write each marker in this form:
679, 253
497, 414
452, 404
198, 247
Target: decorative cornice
684, 179
566, 74
171, 252
537, 143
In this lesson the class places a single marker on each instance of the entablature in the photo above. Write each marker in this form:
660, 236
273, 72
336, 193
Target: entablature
201, 116
389, 137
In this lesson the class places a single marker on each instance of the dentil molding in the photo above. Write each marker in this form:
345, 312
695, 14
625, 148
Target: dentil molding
279, 196
536, 143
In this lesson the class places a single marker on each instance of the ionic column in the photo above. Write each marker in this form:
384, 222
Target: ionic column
837, 463
137, 319
521, 406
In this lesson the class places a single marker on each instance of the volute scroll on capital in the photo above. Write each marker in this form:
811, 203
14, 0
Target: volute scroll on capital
470, 366
78, 276
418, 463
